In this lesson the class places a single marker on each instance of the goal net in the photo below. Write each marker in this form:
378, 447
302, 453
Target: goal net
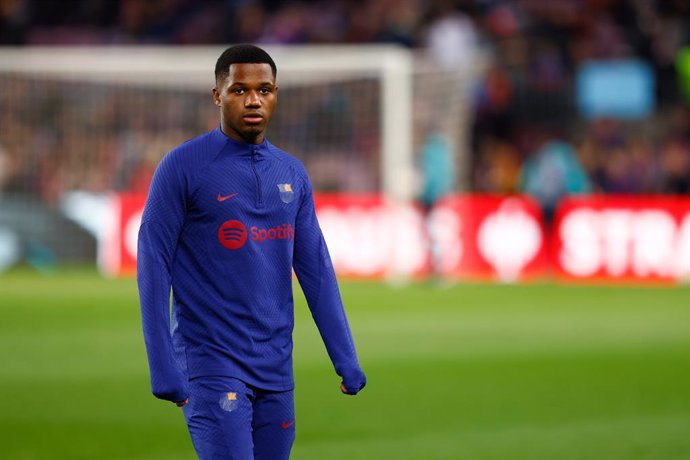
99, 119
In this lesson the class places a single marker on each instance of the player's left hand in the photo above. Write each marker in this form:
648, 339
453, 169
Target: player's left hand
345, 390
356, 380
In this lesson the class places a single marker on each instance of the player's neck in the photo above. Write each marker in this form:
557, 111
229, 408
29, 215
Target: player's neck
251, 138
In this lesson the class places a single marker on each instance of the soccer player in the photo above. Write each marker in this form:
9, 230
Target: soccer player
228, 217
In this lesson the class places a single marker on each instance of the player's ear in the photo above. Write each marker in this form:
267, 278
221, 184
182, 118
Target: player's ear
216, 96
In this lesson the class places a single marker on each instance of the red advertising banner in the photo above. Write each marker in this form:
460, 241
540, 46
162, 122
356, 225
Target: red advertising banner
595, 238
628, 239
465, 236
371, 238
117, 255
491, 237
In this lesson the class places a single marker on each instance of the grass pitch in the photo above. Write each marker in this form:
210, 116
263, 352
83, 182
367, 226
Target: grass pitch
470, 372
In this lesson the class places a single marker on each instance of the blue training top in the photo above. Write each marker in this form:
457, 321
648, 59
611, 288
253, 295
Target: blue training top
224, 224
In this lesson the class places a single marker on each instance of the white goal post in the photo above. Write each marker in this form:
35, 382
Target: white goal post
192, 68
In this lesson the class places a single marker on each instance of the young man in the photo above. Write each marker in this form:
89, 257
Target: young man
227, 218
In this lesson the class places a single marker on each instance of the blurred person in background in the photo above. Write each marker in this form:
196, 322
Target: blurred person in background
451, 36
498, 167
13, 26
551, 173
644, 164
4, 169
437, 172
228, 217
616, 174
675, 167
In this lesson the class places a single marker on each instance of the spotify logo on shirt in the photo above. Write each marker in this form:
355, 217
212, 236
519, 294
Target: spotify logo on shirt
233, 234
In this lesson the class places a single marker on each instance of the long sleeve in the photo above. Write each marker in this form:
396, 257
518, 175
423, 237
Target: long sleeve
161, 225
315, 273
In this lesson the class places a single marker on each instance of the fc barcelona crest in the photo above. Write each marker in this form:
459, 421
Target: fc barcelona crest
286, 193
228, 401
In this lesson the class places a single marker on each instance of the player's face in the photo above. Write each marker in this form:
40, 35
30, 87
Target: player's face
247, 98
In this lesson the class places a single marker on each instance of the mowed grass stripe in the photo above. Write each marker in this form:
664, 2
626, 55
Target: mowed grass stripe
624, 439
474, 371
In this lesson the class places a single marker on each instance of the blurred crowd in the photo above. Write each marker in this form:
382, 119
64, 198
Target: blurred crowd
58, 136
527, 133
181, 22
529, 129
111, 139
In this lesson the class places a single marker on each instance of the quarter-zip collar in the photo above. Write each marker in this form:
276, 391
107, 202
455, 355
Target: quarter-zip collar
237, 147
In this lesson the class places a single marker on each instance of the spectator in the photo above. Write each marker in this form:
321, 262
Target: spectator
675, 167
552, 173
452, 38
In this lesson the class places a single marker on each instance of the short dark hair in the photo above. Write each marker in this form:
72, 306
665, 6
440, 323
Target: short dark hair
242, 54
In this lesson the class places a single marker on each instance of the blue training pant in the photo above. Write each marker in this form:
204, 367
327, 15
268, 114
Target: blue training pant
230, 420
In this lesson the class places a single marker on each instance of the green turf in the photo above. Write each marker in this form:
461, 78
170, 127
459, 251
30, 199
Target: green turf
469, 372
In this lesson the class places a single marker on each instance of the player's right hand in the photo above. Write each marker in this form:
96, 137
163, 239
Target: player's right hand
181, 403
